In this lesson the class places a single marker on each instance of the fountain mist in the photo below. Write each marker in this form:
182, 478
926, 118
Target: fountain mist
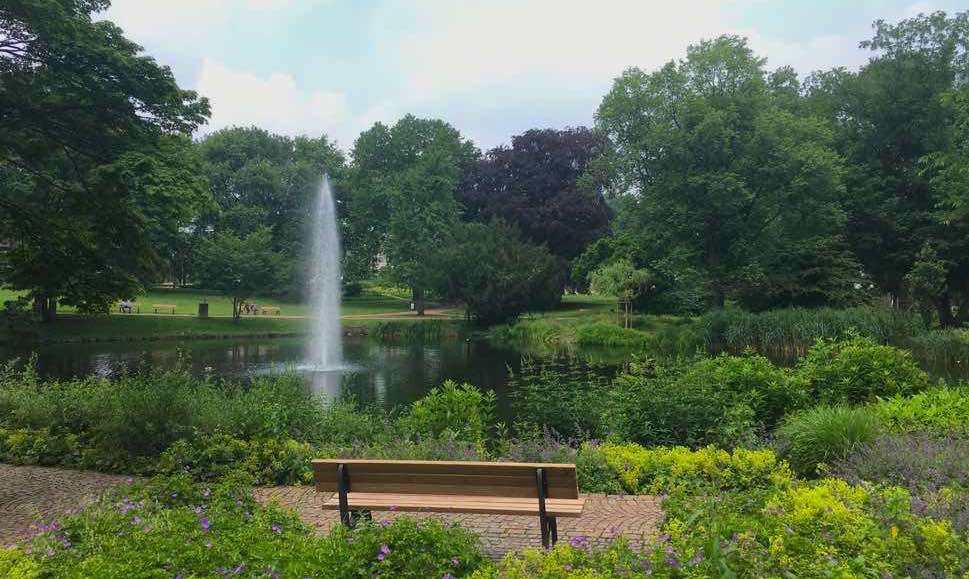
325, 347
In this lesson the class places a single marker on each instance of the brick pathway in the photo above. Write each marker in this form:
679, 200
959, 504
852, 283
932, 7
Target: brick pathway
637, 518
29, 494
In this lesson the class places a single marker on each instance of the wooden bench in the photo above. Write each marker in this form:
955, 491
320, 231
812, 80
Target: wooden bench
269, 310
157, 307
547, 491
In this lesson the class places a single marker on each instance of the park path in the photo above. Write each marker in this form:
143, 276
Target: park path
34, 495
38, 495
635, 518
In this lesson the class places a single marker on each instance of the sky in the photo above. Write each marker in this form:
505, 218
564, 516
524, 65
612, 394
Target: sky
491, 68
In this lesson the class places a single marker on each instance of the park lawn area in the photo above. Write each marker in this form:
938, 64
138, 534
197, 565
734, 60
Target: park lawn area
186, 303
70, 327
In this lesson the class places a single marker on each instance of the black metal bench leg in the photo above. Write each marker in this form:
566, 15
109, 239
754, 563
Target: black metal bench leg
343, 487
553, 526
545, 522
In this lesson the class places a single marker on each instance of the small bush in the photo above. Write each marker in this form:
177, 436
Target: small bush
939, 410
561, 394
823, 435
461, 412
667, 470
857, 370
725, 400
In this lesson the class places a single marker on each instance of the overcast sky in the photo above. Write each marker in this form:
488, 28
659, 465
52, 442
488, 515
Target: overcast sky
491, 68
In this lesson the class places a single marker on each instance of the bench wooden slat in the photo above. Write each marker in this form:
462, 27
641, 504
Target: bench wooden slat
516, 480
457, 504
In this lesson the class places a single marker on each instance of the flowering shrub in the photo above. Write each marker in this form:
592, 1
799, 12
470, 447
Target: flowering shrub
857, 369
172, 527
664, 470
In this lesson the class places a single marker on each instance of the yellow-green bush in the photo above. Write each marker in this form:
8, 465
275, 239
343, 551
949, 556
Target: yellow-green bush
939, 410
14, 564
643, 470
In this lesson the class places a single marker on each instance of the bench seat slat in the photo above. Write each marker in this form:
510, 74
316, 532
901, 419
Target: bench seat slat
455, 488
457, 504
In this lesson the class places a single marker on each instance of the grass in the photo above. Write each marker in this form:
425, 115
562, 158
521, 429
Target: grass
186, 302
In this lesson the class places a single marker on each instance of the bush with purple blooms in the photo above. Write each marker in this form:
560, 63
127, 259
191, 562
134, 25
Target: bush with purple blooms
174, 527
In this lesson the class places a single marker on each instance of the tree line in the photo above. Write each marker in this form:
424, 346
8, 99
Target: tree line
711, 180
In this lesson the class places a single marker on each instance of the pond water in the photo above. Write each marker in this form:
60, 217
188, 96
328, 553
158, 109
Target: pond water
385, 374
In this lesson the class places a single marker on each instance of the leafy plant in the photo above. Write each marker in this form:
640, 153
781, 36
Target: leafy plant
462, 412
825, 434
857, 369
938, 410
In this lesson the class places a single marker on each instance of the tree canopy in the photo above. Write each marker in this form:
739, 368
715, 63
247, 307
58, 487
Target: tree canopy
96, 169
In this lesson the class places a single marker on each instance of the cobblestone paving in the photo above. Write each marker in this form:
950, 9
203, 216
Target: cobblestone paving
31, 494
604, 517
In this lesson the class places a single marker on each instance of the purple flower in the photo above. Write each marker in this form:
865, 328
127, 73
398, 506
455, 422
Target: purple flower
50, 552
579, 541
206, 493
647, 566
276, 529
136, 520
447, 576
380, 556
205, 523
384, 522
696, 560
199, 509
455, 561
385, 549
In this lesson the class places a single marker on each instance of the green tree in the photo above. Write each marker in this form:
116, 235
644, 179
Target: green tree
240, 267
730, 185
622, 280
402, 202
96, 170
497, 275
260, 179
901, 122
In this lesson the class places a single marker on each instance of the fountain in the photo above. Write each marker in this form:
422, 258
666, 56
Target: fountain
325, 350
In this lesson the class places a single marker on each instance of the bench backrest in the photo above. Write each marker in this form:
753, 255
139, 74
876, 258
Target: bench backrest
496, 479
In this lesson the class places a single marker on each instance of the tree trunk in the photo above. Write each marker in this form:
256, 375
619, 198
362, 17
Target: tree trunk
418, 294
235, 309
944, 308
629, 307
46, 308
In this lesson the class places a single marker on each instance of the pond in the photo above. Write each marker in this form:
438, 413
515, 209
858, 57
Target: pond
386, 374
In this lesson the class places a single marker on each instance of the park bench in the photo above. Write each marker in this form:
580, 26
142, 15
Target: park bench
270, 310
547, 491
170, 307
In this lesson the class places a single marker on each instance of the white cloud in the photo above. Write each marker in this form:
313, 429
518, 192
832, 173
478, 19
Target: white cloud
458, 47
273, 102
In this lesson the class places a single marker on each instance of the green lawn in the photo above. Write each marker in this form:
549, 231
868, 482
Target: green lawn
186, 302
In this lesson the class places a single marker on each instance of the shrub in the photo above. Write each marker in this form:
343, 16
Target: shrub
667, 470
574, 559
938, 410
823, 435
725, 400
268, 460
171, 527
948, 349
857, 369
562, 394
461, 412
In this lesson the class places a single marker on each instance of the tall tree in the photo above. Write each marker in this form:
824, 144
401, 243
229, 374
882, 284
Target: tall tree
898, 124
240, 266
727, 186
260, 179
402, 203
541, 185
95, 165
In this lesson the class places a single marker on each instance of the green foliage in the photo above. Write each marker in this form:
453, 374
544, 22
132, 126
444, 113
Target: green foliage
825, 434
97, 166
496, 275
939, 411
858, 369
726, 400
455, 411
574, 559
561, 394
240, 267
172, 527
665, 470
795, 330
941, 349
622, 280
736, 191
268, 461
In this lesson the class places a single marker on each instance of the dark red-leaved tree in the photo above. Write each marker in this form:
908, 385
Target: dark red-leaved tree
542, 186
